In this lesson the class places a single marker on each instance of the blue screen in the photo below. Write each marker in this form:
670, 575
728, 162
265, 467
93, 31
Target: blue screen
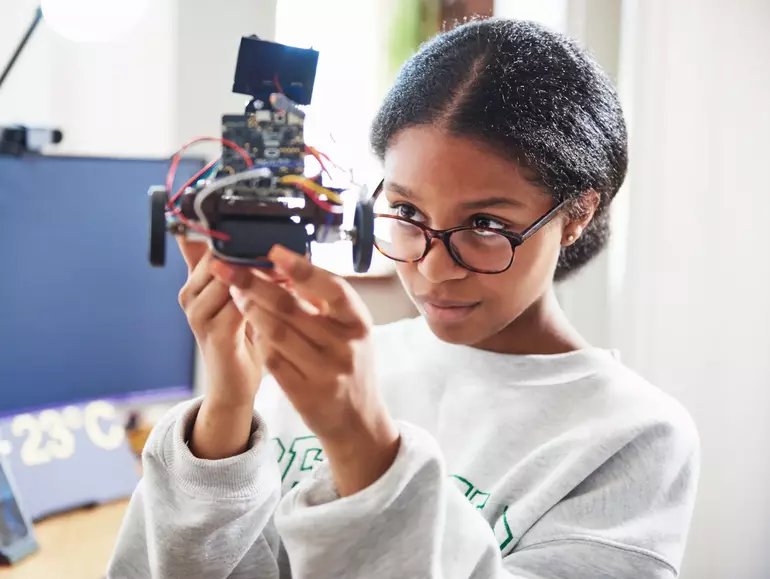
83, 315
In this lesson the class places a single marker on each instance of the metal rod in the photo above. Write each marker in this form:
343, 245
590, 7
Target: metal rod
22, 44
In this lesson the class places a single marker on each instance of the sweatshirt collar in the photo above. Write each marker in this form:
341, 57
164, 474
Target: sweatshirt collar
520, 369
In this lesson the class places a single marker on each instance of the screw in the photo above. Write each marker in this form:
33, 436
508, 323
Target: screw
177, 228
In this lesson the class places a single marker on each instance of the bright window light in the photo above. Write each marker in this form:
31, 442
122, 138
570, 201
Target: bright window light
93, 20
348, 90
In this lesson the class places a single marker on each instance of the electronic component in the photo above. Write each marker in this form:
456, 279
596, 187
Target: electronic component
261, 63
19, 140
272, 139
257, 194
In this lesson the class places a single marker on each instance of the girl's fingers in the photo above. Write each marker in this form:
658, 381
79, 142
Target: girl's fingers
253, 290
251, 332
199, 278
208, 304
318, 285
228, 316
283, 370
192, 251
282, 338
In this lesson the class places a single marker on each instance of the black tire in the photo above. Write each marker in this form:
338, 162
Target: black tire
363, 246
158, 201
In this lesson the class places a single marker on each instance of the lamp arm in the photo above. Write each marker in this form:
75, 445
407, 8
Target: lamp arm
22, 44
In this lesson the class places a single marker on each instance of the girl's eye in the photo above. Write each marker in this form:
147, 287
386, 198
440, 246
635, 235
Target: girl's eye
487, 223
407, 211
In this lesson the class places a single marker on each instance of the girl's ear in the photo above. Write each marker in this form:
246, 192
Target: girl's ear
580, 216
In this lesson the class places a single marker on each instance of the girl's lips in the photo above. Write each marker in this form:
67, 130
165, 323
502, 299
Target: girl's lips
447, 311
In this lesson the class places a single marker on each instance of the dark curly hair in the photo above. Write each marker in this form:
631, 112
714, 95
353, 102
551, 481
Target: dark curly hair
536, 97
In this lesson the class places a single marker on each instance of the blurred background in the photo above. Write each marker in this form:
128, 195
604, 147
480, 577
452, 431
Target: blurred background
683, 290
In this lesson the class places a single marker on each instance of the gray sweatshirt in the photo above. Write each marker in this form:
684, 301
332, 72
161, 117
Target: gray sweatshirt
526, 467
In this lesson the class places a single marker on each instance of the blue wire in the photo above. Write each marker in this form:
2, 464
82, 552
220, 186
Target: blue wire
210, 172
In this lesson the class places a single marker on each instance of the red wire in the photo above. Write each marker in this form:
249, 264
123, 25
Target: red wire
178, 156
278, 84
172, 174
199, 228
177, 211
328, 158
317, 157
192, 180
328, 207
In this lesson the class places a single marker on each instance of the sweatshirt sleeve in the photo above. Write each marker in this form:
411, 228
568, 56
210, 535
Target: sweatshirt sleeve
413, 522
200, 518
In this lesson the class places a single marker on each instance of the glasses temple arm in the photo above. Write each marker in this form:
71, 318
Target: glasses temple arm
535, 227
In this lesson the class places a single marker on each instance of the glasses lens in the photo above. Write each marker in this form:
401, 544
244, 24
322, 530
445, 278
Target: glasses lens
482, 250
399, 240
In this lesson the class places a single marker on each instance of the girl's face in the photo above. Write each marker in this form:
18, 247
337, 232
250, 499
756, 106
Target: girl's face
445, 181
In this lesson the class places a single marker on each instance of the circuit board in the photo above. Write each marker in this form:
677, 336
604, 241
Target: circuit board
272, 139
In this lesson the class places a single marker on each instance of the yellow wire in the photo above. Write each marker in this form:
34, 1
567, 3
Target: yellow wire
315, 187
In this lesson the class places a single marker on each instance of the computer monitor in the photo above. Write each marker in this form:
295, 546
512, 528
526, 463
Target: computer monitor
82, 313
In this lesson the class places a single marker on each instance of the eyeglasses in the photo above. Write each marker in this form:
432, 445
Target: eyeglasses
478, 249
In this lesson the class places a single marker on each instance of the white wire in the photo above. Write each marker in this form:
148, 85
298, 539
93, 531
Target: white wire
214, 186
281, 101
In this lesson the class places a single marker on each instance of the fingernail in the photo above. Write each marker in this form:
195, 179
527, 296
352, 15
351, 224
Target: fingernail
279, 274
239, 299
229, 274
281, 257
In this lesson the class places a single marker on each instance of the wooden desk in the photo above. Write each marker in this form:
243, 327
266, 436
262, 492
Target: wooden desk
75, 545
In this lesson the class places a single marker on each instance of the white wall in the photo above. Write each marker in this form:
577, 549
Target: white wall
25, 95
588, 296
695, 311
206, 36
145, 94
112, 99
684, 291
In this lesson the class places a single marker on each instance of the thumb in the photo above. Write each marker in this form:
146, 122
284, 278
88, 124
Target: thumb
192, 251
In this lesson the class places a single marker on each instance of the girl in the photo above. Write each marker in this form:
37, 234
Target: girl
483, 439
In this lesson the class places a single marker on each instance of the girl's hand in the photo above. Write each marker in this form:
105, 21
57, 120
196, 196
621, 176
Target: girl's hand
233, 364
316, 342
